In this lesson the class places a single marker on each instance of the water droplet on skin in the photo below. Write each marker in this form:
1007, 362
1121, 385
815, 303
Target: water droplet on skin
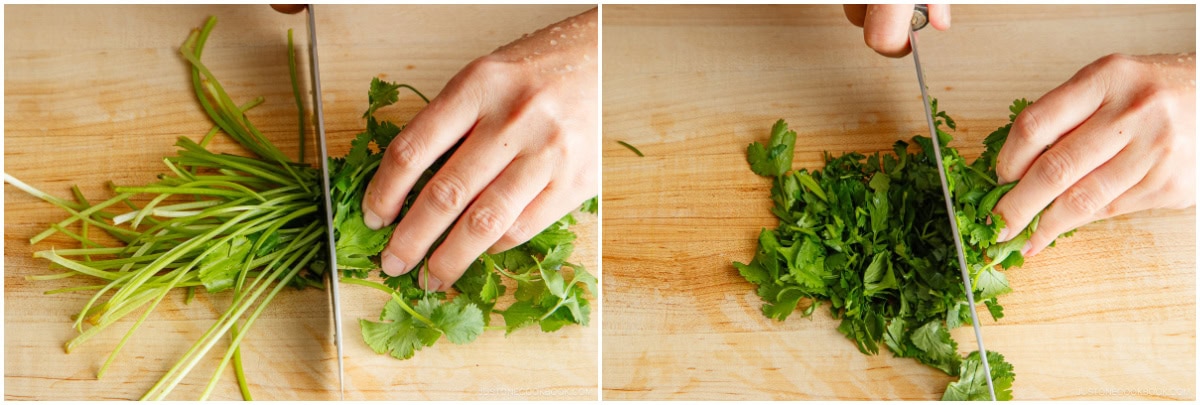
562, 36
556, 29
576, 25
553, 42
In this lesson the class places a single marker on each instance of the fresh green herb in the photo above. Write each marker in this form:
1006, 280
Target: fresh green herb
632, 148
972, 385
868, 235
251, 226
536, 267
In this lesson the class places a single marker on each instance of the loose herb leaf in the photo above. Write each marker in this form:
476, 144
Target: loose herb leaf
774, 158
972, 385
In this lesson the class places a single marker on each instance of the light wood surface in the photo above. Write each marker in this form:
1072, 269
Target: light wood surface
1108, 314
95, 93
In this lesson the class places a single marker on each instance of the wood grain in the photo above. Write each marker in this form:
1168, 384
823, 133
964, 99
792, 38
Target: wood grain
1108, 314
98, 93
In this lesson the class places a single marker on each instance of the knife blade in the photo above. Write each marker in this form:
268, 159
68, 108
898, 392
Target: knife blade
919, 20
319, 122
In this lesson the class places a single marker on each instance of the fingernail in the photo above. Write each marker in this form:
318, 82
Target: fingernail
1025, 250
431, 283
1003, 235
373, 221
392, 265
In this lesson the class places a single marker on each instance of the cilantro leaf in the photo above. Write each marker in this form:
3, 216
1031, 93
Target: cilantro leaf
219, 269
972, 381
774, 158
401, 336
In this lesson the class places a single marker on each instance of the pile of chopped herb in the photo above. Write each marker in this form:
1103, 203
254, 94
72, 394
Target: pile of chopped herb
868, 235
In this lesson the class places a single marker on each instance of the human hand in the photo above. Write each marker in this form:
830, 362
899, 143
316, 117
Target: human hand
885, 26
527, 118
1118, 137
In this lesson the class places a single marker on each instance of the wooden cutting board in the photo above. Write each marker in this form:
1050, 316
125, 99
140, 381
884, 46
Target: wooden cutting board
1108, 314
97, 93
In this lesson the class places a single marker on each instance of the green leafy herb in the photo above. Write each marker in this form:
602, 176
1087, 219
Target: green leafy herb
869, 235
774, 158
536, 267
251, 225
972, 385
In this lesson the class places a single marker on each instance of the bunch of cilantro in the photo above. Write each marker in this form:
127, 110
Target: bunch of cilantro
545, 294
868, 235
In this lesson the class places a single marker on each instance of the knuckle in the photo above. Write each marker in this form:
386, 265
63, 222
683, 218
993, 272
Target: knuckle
447, 193
517, 233
404, 153
1012, 215
1170, 186
488, 67
540, 102
1055, 168
485, 221
1027, 125
1116, 62
1083, 200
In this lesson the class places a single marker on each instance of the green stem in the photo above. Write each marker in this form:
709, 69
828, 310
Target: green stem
404, 304
367, 283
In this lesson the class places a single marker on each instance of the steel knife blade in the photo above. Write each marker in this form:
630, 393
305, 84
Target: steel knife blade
319, 122
919, 20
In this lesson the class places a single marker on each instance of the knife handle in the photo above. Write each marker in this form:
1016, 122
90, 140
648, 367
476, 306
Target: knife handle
920, 17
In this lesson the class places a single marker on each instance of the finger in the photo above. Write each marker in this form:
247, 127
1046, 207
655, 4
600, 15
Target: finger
1075, 156
1089, 199
1165, 186
551, 205
1043, 122
289, 8
855, 13
885, 28
939, 16
468, 171
486, 220
430, 134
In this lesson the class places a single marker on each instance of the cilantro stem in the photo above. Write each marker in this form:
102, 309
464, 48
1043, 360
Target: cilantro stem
201, 347
367, 283
404, 304
632, 148
240, 373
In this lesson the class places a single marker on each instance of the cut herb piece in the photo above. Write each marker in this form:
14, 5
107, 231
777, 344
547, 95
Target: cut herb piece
869, 235
774, 158
971, 385
630, 147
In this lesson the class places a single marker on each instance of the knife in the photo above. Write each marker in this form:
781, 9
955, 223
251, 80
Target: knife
919, 20
319, 121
